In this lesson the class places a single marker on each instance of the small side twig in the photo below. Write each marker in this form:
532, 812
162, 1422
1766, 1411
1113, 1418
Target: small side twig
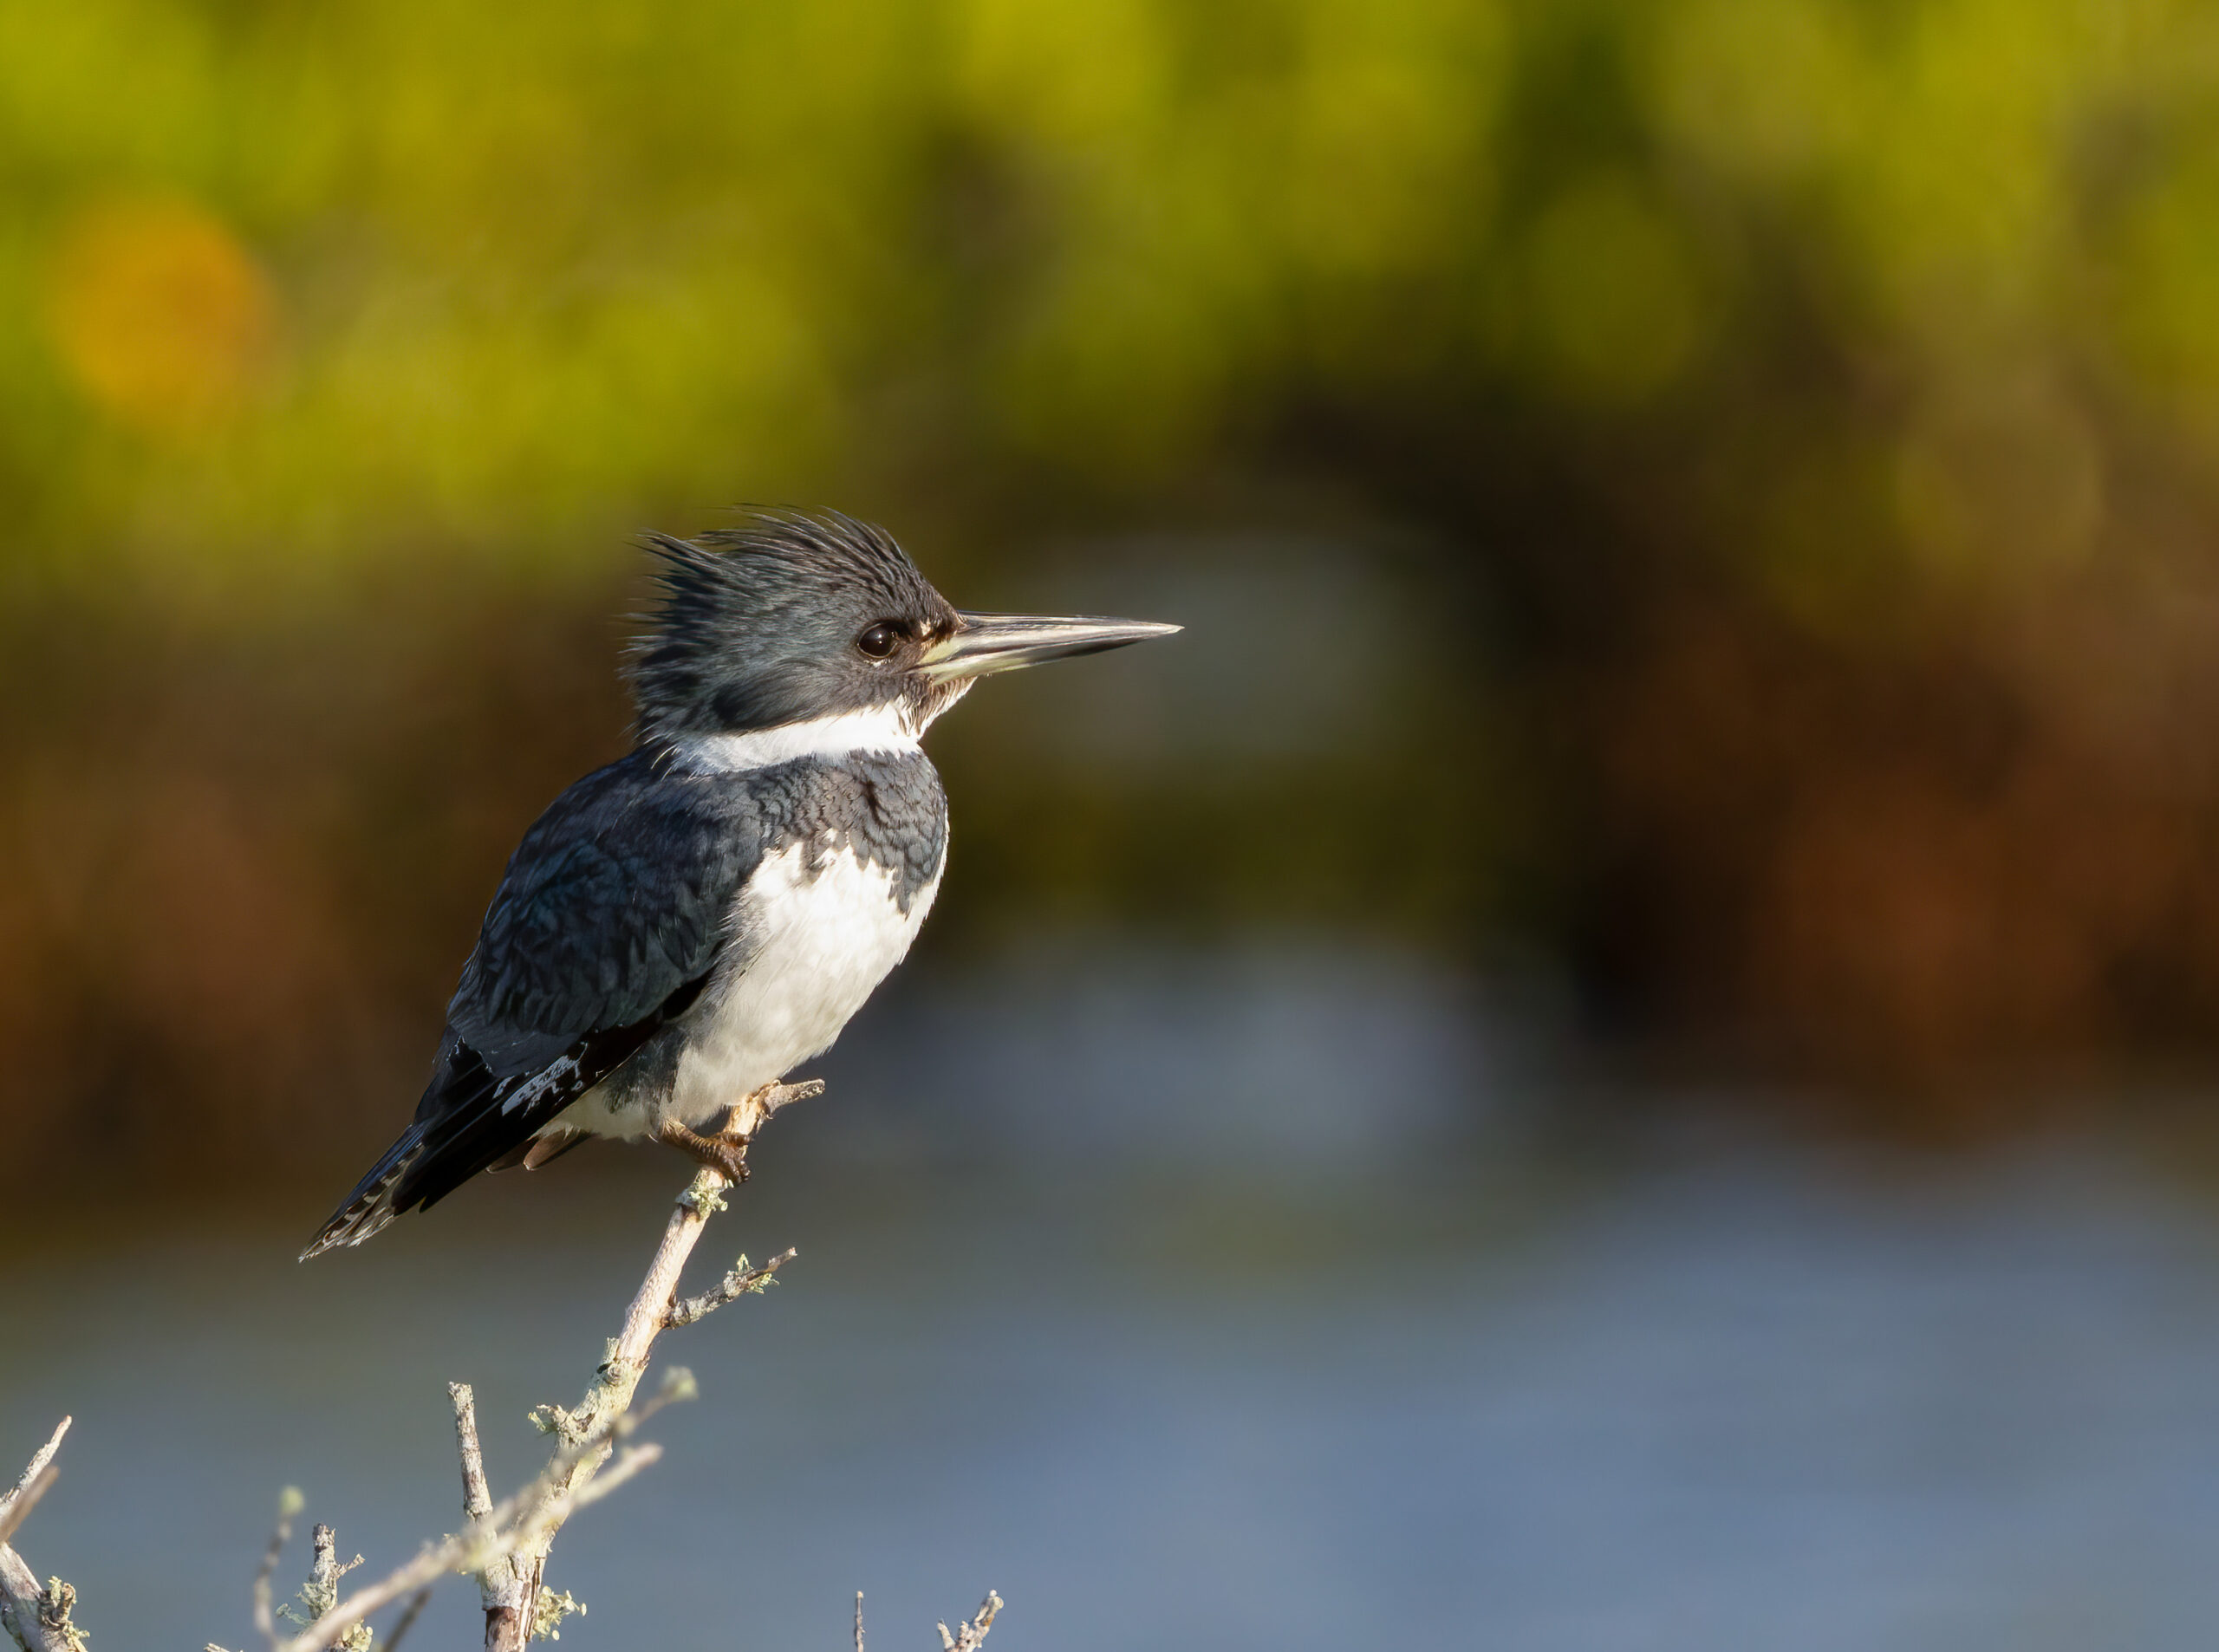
289, 1503
501, 1589
514, 1522
37, 1617
968, 1634
742, 1281
28, 1489
16, 1507
476, 1497
655, 1308
505, 1543
321, 1593
407, 1621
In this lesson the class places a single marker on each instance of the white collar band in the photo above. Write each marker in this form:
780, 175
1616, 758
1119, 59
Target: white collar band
882, 729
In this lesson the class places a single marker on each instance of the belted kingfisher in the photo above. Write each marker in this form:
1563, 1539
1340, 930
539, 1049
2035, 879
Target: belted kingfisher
684, 926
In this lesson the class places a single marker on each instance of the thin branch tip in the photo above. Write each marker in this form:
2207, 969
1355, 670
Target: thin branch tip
36, 1479
744, 1280
476, 1497
969, 1634
16, 1506
43, 1455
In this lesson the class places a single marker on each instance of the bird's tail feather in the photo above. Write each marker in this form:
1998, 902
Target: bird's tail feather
373, 1202
469, 1120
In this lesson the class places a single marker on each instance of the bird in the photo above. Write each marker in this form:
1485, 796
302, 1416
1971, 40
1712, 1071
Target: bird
684, 926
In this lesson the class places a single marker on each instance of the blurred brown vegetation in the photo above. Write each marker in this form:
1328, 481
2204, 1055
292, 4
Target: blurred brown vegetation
1790, 425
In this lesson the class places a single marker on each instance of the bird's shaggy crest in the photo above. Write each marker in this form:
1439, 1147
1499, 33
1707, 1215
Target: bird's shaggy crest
756, 621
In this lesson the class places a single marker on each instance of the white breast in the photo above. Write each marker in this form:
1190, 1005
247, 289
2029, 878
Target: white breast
823, 943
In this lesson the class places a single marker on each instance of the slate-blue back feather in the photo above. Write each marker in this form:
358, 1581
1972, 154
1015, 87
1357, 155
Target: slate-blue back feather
615, 899
607, 925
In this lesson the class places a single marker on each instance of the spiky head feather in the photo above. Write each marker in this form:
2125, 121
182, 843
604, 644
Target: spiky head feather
756, 624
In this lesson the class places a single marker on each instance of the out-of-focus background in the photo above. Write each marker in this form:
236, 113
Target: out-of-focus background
1607, 1051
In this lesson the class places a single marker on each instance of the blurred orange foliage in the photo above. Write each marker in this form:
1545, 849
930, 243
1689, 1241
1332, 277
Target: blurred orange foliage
159, 316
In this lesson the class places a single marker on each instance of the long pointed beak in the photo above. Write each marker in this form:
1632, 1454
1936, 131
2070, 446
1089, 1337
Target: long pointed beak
982, 644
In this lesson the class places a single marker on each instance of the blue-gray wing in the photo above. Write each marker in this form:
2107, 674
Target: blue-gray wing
618, 897
612, 914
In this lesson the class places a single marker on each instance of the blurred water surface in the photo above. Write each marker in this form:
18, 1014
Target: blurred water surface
1407, 1385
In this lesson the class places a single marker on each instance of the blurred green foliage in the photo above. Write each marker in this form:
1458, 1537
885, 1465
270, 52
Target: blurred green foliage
287, 284
1811, 404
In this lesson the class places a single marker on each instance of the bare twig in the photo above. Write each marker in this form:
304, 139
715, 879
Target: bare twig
476, 1499
35, 1617
968, 1634
500, 1586
742, 1281
41, 1461
407, 1621
654, 1308
321, 1593
17, 1502
506, 1544
21, 1501
859, 1621
754, 1113
289, 1503
514, 1522
324, 1570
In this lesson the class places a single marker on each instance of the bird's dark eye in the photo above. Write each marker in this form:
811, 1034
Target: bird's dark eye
881, 640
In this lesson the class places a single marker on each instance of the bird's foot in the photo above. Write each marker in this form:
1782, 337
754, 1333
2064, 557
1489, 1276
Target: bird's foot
725, 1150
724, 1154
